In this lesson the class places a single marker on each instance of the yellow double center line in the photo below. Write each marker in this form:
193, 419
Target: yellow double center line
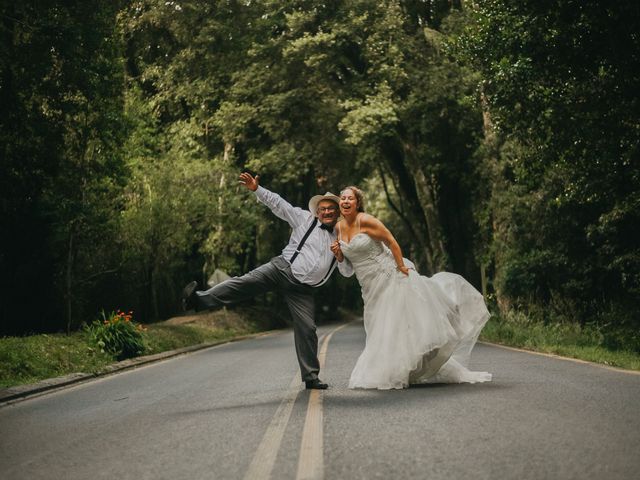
310, 462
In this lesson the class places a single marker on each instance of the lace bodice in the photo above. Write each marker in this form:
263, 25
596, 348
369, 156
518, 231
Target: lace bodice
364, 249
372, 261
371, 247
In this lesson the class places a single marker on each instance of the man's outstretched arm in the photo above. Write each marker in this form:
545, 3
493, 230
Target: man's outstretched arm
294, 216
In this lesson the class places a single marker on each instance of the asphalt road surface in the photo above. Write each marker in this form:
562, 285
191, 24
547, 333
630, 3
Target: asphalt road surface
238, 411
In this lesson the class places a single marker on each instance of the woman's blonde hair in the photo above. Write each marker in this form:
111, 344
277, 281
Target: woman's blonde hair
359, 196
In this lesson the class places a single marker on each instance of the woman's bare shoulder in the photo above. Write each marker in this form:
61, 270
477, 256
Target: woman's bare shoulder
368, 220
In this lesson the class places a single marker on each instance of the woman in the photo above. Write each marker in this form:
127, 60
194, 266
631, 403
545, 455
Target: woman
418, 329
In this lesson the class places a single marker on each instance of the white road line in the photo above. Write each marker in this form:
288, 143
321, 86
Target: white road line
311, 460
265, 457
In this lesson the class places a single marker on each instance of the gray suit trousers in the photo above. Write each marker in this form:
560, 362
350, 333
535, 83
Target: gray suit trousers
275, 275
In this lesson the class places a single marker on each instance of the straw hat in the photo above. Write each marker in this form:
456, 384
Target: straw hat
316, 199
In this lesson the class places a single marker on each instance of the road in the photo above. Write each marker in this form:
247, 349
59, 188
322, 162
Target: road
237, 411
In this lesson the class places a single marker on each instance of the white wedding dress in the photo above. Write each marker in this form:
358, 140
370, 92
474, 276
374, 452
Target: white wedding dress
418, 329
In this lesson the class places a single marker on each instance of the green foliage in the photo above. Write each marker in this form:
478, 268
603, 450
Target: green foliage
30, 359
559, 91
118, 335
500, 134
171, 337
608, 344
60, 83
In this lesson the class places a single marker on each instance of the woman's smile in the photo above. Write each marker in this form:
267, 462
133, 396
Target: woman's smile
347, 201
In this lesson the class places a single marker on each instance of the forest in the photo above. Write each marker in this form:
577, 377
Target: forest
497, 139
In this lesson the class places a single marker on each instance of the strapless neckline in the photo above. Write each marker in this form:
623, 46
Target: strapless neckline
353, 238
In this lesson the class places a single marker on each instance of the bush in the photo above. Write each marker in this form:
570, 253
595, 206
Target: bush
118, 335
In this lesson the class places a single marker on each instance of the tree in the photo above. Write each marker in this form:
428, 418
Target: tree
560, 80
61, 90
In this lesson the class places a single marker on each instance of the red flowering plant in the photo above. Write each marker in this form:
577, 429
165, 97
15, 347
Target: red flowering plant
118, 335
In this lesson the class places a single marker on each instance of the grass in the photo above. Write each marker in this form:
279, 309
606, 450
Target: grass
170, 337
25, 360
29, 359
570, 340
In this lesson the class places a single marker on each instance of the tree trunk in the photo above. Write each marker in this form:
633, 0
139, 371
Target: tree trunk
69, 280
483, 280
491, 142
427, 194
407, 189
153, 293
399, 211
425, 189
487, 124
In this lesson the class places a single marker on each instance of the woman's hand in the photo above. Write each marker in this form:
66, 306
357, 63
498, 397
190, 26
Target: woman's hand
337, 251
404, 269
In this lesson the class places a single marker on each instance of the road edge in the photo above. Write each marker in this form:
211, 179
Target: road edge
19, 393
561, 357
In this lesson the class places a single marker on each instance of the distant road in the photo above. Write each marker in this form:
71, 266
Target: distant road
238, 411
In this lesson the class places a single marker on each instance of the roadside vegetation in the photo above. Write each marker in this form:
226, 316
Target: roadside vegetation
29, 359
607, 345
32, 358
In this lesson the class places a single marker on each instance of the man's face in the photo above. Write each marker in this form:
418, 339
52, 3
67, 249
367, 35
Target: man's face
328, 212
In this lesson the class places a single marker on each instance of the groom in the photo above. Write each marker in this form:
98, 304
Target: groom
305, 263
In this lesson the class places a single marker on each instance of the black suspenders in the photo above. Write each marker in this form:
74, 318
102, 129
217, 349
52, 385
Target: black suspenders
328, 272
304, 239
299, 247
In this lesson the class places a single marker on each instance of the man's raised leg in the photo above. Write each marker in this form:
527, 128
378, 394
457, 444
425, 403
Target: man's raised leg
233, 290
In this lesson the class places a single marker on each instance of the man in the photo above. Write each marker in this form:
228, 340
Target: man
305, 263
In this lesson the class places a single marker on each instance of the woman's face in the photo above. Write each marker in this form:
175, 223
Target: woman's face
348, 202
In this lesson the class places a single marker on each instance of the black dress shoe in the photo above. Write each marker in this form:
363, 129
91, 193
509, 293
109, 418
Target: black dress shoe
189, 296
315, 384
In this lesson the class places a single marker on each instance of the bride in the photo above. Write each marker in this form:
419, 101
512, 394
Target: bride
418, 329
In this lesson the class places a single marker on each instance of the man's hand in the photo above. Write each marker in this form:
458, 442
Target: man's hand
249, 181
